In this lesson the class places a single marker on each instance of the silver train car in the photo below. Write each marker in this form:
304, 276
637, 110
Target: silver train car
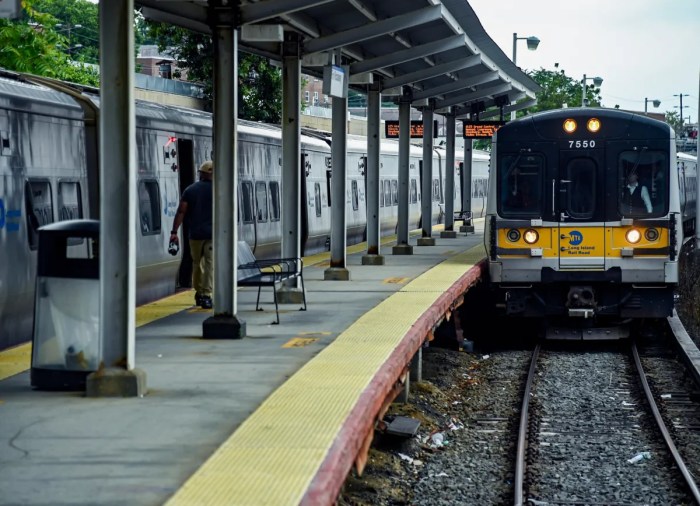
585, 219
49, 172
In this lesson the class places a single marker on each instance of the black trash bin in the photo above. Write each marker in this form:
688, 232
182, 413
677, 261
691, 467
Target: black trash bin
65, 340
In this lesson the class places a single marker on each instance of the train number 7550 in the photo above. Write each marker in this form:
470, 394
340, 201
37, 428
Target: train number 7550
582, 144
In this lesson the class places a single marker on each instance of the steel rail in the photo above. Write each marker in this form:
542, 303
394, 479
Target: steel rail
664, 430
522, 433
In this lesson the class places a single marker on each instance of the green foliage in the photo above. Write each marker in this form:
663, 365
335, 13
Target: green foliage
673, 118
259, 83
69, 13
36, 48
559, 89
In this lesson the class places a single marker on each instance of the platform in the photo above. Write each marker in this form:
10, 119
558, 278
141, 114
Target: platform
220, 423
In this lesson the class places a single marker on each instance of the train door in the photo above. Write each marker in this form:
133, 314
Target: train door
581, 208
186, 171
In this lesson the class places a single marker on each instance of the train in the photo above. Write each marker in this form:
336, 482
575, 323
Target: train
586, 214
49, 172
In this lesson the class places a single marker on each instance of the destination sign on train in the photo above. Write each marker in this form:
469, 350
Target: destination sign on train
391, 129
480, 129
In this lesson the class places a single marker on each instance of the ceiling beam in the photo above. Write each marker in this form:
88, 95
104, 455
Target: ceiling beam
458, 85
387, 60
376, 29
268, 9
430, 72
474, 96
187, 15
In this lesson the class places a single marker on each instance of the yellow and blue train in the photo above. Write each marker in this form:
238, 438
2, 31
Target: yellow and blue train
586, 215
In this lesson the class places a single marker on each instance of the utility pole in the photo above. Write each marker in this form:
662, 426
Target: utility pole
680, 96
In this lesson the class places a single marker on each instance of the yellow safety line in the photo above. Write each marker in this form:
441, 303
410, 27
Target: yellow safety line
276, 452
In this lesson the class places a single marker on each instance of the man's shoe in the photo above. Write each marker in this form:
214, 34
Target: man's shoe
197, 299
206, 302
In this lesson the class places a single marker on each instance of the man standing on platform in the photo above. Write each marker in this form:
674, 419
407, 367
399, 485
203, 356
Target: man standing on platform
196, 208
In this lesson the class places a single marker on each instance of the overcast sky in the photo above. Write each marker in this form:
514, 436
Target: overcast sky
641, 48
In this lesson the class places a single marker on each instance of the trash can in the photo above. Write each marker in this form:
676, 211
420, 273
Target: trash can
66, 341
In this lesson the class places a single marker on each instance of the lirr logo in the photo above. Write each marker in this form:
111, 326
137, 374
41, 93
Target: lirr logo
575, 237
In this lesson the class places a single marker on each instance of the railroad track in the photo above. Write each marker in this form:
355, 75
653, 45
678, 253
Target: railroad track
591, 432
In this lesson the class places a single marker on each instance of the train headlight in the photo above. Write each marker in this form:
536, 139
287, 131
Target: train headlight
569, 126
513, 235
593, 125
651, 234
531, 236
633, 236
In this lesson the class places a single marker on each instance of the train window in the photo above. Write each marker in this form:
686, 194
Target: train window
394, 192
387, 192
381, 193
520, 185
414, 191
643, 182
317, 198
247, 201
355, 195
261, 201
581, 191
436, 190
149, 207
274, 201
39, 208
70, 205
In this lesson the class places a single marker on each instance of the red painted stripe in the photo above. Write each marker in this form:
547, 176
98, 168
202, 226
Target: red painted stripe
326, 484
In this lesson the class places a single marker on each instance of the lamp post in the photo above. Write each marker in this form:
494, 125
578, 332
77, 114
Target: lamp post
655, 102
67, 28
597, 81
532, 43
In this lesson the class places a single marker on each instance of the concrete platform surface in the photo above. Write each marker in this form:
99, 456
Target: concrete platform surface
64, 448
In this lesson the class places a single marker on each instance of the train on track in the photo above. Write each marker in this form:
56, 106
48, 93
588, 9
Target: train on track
586, 215
49, 172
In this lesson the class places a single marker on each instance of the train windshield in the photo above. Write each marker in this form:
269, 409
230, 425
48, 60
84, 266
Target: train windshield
581, 196
643, 183
520, 186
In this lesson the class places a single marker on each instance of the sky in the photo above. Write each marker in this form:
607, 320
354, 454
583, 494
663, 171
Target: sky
641, 48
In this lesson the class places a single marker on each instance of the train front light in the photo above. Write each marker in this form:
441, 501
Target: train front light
593, 125
531, 236
570, 126
633, 236
651, 234
513, 235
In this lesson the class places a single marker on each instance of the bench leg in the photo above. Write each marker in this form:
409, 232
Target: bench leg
257, 302
277, 313
303, 292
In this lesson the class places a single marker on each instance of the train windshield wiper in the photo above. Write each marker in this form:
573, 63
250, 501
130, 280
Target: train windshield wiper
637, 161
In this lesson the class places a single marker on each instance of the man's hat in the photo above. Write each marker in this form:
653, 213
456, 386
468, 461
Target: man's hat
207, 167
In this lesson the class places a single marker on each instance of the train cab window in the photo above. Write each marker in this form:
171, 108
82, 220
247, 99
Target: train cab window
414, 191
247, 201
70, 205
581, 191
317, 198
387, 193
643, 183
355, 195
394, 192
149, 207
520, 181
39, 208
261, 201
274, 201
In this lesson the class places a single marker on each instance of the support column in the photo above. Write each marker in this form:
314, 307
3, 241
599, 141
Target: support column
467, 226
449, 231
117, 248
373, 143
426, 205
225, 324
402, 247
338, 270
289, 292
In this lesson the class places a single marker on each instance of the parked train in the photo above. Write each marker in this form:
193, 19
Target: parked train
49, 172
585, 218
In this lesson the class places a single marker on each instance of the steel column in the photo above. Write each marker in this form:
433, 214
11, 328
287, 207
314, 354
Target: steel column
467, 226
372, 176
427, 181
450, 178
402, 247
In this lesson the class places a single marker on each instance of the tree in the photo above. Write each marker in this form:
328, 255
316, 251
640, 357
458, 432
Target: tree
35, 48
559, 89
77, 20
259, 83
673, 118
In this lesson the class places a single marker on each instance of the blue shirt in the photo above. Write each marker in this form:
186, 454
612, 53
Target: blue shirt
200, 210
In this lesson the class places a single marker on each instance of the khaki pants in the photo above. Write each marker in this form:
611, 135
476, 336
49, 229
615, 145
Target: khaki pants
202, 266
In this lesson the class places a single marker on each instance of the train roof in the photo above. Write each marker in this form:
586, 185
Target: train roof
19, 95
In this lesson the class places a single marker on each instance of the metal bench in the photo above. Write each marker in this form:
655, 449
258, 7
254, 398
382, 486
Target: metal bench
268, 272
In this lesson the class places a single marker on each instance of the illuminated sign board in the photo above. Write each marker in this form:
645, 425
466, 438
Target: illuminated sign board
480, 129
391, 129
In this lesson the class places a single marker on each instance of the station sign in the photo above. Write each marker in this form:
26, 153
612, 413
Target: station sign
480, 129
391, 129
